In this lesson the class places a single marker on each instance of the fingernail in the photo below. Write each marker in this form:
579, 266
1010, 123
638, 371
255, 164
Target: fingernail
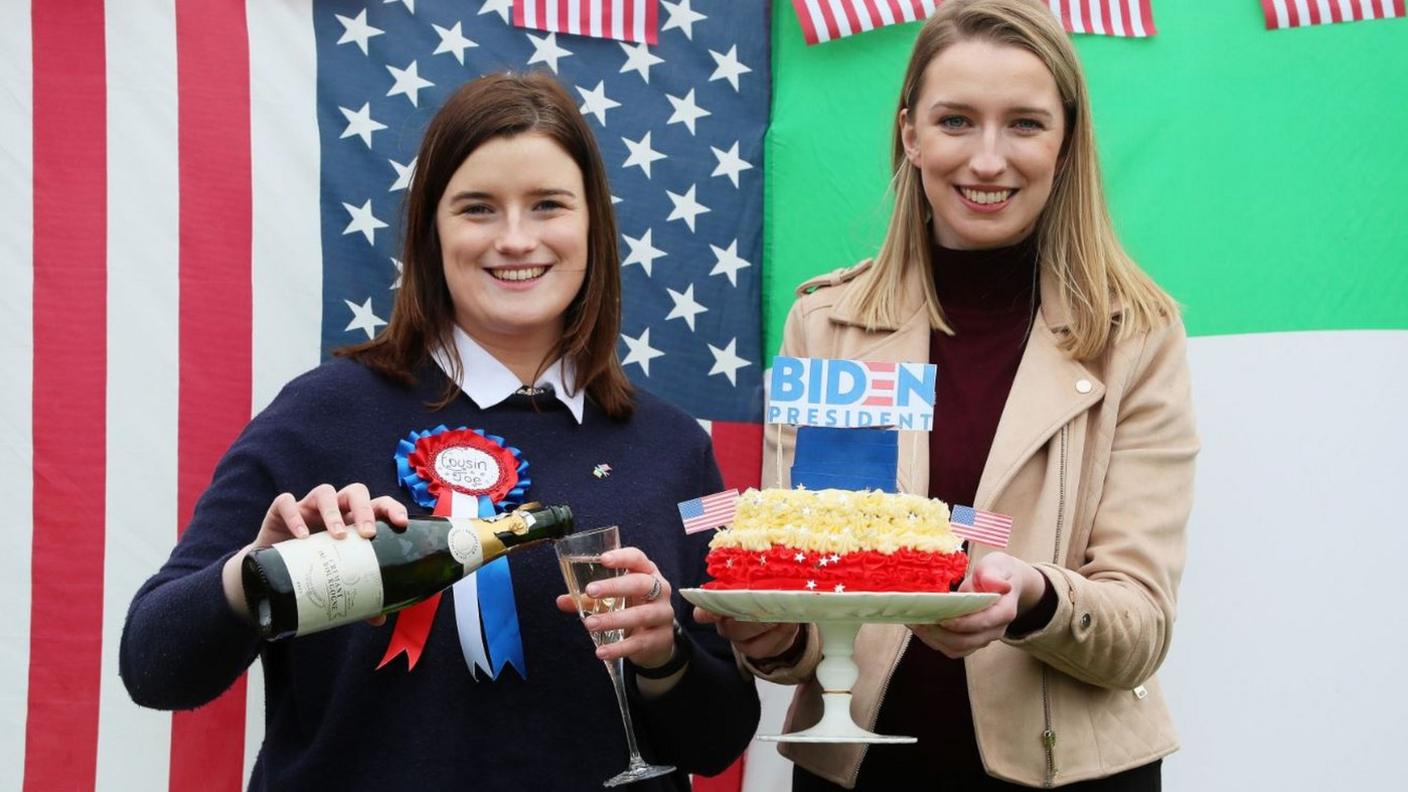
369, 528
593, 589
592, 622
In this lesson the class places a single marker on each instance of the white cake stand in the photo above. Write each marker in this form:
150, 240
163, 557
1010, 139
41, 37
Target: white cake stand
838, 616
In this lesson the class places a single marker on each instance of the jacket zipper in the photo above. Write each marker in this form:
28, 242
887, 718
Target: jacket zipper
1048, 735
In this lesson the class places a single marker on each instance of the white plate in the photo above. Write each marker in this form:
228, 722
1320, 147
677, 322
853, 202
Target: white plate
861, 606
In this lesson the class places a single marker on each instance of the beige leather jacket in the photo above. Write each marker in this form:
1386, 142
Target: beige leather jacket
1094, 462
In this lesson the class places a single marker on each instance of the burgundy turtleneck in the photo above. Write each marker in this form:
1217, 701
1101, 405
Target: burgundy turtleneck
989, 298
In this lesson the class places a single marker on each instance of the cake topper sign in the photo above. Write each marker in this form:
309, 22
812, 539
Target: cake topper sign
852, 393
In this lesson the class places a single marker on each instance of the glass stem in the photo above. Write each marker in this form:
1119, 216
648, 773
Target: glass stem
617, 672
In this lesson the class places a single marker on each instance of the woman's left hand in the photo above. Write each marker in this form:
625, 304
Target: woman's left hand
648, 617
1020, 586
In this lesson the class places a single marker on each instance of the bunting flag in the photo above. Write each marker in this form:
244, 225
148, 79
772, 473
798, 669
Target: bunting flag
622, 20
826, 20
198, 202
1302, 13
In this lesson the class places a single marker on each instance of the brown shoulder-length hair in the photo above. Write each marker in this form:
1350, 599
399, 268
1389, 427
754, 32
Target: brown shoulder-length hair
1076, 239
422, 319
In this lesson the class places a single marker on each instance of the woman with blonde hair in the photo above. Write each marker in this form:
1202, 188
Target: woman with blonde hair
1063, 402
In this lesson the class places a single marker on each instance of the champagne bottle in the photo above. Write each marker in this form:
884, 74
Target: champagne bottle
302, 586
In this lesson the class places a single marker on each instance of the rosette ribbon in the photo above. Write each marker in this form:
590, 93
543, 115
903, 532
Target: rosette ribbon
465, 473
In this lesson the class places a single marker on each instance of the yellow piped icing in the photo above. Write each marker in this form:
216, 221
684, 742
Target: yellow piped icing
838, 521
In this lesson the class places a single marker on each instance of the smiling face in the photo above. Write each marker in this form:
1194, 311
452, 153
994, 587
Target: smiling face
512, 224
985, 134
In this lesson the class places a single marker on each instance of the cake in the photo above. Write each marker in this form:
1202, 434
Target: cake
836, 541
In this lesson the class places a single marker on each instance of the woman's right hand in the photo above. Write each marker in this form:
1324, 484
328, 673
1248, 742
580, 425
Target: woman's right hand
323, 508
754, 640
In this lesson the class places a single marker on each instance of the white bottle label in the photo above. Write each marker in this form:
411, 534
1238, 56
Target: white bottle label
465, 545
335, 581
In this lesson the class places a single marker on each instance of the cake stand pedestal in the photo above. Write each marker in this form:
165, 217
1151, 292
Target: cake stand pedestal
838, 616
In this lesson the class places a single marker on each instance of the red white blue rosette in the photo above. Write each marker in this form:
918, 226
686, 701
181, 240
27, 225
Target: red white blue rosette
465, 473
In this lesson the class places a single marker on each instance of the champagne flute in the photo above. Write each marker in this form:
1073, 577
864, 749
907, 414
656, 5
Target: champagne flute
580, 557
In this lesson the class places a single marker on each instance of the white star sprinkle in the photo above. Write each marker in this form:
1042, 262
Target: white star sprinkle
840, 588
800, 557
685, 306
363, 318
641, 154
363, 220
597, 102
545, 50
501, 7
639, 351
762, 560
728, 563
835, 559
686, 111
686, 208
408, 83
730, 164
361, 123
727, 262
642, 252
682, 17
357, 30
729, 67
727, 362
639, 59
452, 41
811, 584
823, 561
404, 174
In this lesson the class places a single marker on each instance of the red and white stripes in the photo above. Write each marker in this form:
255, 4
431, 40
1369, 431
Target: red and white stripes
825, 20
1125, 18
622, 20
1300, 13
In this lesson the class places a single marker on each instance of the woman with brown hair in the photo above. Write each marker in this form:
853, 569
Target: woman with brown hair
1063, 402
506, 321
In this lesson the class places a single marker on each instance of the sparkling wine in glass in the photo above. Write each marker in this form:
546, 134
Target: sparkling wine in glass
579, 555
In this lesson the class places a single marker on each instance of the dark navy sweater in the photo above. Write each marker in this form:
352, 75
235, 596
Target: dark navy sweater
331, 720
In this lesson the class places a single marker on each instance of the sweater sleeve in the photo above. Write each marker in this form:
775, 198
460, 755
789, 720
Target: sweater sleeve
182, 645
706, 720
1113, 617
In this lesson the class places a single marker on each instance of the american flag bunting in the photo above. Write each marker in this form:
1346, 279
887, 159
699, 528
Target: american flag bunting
827, 20
622, 20
1302, 13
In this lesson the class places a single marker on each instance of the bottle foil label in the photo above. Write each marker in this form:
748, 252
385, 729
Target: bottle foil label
335, 581
465, 545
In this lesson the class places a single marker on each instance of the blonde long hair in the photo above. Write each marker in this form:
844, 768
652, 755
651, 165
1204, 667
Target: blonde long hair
1078, 245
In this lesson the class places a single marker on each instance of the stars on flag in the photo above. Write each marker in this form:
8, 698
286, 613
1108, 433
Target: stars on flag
452, 41
728, 67
363, 318
361, 124
639, 59
727, 262
685, 306
409, 4
595, 102
686, 111
363, 220
641, 154
639, 351
504, 8
356, 30
686, 207
730, 164
727, 362
682, 18
408, 83
404, 174
545, 50
642, 252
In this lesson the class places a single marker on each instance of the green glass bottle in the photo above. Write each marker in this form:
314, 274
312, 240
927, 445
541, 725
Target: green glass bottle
302, 586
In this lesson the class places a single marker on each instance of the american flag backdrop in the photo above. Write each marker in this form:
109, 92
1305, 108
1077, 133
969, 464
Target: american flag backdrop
826, 20
1303, 13
208, 192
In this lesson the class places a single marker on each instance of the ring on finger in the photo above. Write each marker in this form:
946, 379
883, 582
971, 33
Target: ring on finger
655, 588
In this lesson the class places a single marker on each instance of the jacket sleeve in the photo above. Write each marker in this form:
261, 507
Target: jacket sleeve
707, 719
1115, 611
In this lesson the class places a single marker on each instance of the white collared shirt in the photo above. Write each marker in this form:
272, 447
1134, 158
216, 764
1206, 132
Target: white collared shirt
487, 382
